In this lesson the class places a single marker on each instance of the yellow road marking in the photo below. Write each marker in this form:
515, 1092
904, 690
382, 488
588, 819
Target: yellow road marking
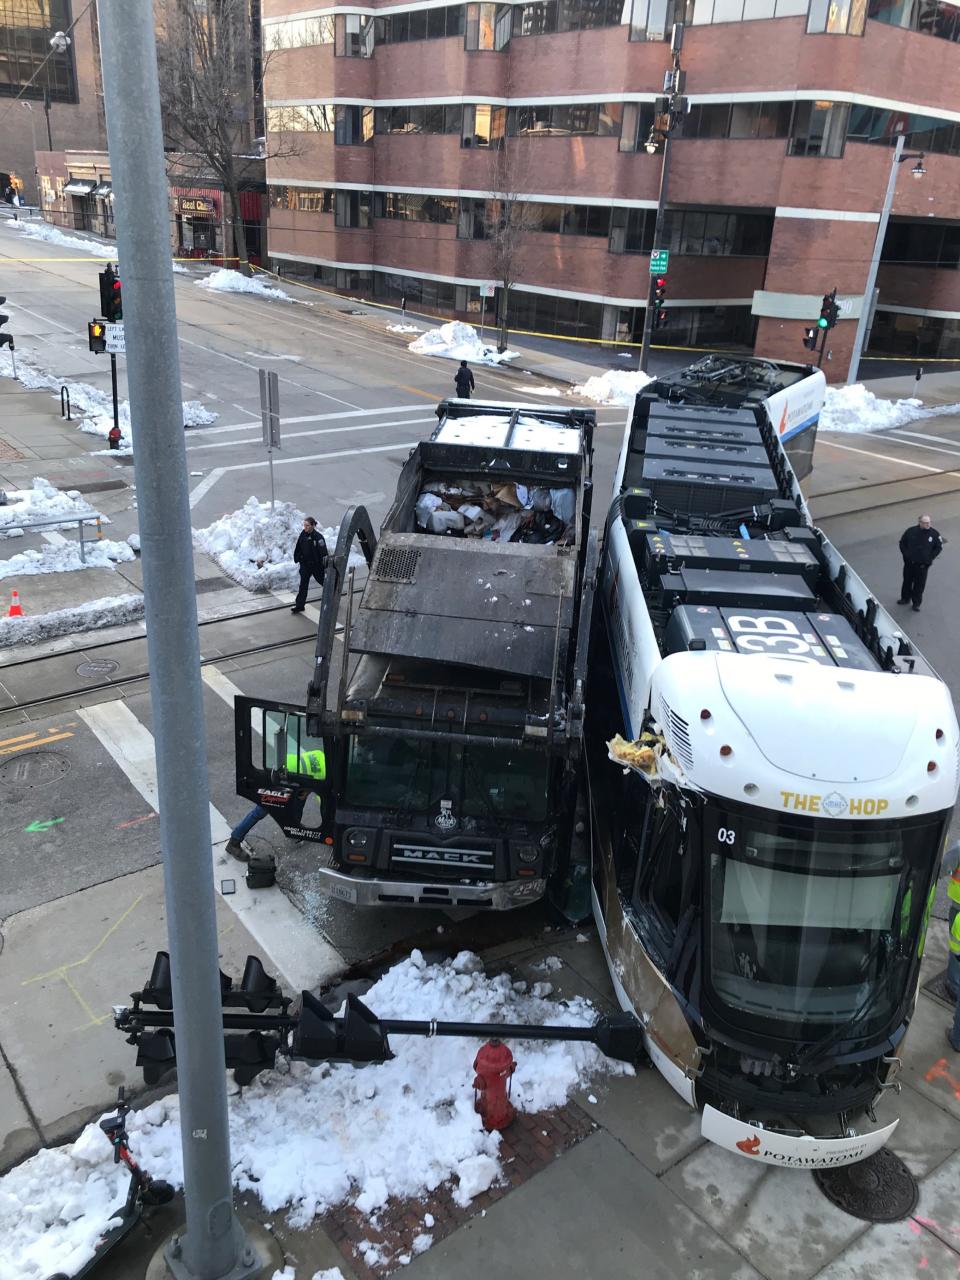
61, 970
94, 1019
415, 391
22, 738
34, 742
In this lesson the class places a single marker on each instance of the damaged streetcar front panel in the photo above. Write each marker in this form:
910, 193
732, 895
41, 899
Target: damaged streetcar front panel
772, 769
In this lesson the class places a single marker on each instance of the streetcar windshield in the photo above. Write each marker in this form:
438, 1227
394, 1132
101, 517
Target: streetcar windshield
813, 922
413, 775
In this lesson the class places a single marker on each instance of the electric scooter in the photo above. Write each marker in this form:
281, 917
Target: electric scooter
143, 1194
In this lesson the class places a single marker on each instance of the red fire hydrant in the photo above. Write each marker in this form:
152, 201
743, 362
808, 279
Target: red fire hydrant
494, 1066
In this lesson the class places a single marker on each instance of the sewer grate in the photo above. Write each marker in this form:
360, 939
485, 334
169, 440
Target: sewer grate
878, 1189
937, 987
98, 668
34, 769
396, 564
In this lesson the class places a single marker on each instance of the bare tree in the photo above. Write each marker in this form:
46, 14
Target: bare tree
211, 84
508, 218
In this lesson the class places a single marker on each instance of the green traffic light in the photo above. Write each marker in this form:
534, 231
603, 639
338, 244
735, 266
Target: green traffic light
822, 323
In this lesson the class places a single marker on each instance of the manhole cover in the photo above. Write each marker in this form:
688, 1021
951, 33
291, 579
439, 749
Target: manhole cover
34, 769
878, 1189
98, 667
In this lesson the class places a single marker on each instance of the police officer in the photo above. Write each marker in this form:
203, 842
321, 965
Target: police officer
311, 762
919, 546
310, 554
464, 380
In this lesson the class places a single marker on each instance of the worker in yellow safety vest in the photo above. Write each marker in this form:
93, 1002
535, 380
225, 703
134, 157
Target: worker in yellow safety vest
308, 762
951, 865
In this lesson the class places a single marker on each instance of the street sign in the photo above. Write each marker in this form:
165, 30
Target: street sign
488, 290
659, 262
116, 342
270, 416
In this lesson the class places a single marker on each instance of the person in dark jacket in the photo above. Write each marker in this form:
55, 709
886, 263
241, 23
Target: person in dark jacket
310, 554
919, 546
464, 380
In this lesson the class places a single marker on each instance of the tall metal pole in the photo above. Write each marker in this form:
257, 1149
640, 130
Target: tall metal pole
867, 304
657, 232
213, 1246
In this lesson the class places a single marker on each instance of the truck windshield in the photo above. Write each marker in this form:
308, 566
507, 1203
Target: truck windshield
813, 922
415, 775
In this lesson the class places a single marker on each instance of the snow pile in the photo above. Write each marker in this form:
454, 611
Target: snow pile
535, 389
312, 1137
254, 546
458, 341
95, 406
65, 558
109, 611
403, 328
226, 281
616, 386
854, 409
43, 502
53, 235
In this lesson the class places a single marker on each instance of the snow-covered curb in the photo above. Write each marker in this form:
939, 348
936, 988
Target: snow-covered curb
226, 281
109, 611
53, 235
616, 386
44, 501
307, 1138
65, 558
254, 545
855, 409
94, 406
458, 341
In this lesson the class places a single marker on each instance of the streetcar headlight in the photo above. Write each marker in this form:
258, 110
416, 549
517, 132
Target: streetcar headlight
358, 839
526, 852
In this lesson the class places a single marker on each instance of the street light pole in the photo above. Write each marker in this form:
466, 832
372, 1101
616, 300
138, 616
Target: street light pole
867, 304
214, 1246
670, 108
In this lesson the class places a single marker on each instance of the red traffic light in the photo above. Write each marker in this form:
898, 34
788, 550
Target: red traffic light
661, 282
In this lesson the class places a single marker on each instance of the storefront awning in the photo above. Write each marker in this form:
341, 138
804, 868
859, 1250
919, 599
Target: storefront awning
102, 190
78, 187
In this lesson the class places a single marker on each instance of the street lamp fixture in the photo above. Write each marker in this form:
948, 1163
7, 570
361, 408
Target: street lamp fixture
918, 170
652, 144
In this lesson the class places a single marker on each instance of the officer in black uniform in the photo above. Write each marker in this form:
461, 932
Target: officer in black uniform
919, 546
310, 554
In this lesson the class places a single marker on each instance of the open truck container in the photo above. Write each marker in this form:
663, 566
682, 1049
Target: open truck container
452, 727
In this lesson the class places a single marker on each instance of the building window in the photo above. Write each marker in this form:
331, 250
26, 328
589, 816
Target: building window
924, 244
429, 119
702, 12
319, 118
407, 207
431, 24
939, 18
917, 337
737, 120
302, 199
354, 35
353, 208
693, 232
28, 66
637, 121
487, 27
354, 126
631, 230
565, 120
836, 17
565, 15
297, 33
921, 133
483, 126
818, 129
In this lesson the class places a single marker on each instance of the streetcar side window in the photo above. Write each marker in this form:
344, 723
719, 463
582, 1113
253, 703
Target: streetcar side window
662, 885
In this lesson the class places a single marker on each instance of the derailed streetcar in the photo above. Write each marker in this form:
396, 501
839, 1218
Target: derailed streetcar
767, 820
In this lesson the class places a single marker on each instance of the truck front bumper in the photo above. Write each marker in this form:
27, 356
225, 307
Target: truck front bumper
482, 895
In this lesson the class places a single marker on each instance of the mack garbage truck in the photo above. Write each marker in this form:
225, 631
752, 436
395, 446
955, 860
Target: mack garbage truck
772, 768
450, 708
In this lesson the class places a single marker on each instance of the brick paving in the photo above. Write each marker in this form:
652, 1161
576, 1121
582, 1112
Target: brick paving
530, 1144
8, 453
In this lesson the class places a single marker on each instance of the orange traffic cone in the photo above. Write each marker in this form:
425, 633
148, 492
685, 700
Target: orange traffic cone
16, 608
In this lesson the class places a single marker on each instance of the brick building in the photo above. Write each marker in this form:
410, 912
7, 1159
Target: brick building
395, 127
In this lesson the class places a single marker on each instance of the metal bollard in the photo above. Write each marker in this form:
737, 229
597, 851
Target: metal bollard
65, 403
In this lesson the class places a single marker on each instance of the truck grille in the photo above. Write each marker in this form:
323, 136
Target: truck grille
396, 564
422, 860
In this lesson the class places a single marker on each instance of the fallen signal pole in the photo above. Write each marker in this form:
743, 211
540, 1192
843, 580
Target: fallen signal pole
258, 1025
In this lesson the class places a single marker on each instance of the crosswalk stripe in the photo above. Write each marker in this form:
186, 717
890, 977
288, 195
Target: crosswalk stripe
302, 956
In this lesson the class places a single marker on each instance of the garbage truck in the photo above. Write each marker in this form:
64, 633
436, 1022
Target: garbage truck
450, 707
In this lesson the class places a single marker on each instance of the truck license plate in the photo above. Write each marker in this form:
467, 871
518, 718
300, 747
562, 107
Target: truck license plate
345, 892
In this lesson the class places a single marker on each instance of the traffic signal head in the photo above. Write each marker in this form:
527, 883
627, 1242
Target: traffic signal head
810, 339
96, 336
829, 311
659, 299
111, 296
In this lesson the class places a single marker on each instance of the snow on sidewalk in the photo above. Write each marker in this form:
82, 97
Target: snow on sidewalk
458, 341
311, 1137
254, 545
94, 406
65, 558
616, 386
226, 281
94, 615
855, 409
44, 501
53, 235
